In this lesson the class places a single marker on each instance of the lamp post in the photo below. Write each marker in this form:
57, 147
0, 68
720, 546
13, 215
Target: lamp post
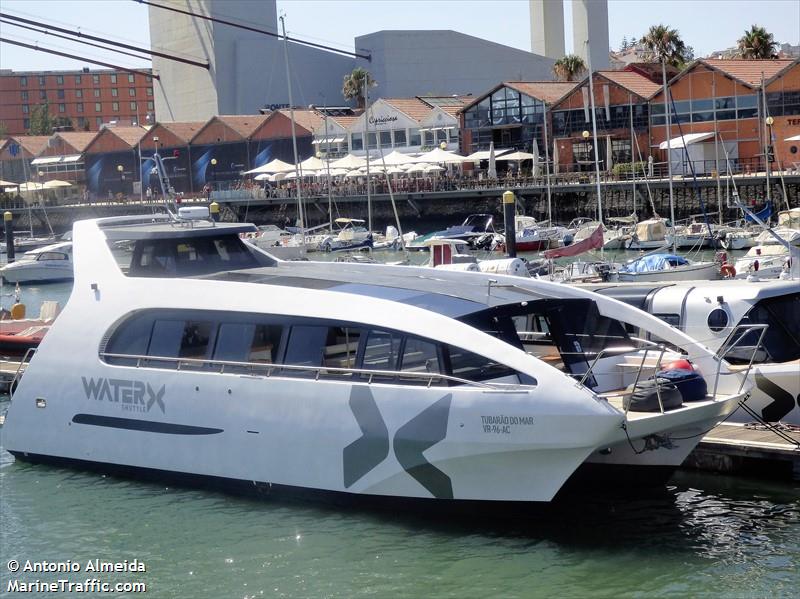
585, 136
214, 171
767, 156
121, 171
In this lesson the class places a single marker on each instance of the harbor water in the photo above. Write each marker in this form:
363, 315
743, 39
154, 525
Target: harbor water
701, 535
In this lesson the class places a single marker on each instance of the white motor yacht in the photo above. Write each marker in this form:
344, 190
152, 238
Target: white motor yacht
43, 265
205, 358
725, 317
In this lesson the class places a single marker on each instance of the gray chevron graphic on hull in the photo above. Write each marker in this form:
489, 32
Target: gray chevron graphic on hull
372, 447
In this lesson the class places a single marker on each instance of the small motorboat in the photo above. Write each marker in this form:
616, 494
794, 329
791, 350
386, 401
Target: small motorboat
352, 235
649, 235
667, 267
16, 344
44, 265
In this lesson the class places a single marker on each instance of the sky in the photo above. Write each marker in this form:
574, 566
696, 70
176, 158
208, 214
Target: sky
706, 25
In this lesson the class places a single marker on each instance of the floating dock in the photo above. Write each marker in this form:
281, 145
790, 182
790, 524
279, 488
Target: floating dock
749, 449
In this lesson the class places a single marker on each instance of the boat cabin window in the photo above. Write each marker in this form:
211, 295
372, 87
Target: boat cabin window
175, 338
52, 256
189, 257
782, 339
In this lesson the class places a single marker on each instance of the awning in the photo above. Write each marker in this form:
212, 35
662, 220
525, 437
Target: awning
484, 155
47, 160
329, 140
793, 138
70, 158
685, 140
445, 128
517, 157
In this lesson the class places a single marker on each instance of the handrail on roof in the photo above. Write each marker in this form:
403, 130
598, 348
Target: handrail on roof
270, 367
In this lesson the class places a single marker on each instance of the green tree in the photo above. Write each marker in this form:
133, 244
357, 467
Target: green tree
41, 120
756, 43
353, 85
665, 45
569, 67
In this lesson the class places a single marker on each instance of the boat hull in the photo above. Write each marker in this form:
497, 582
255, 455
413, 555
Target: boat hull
690, 272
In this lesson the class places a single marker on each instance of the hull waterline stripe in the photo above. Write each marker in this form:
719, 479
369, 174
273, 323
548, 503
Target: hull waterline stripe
149, 426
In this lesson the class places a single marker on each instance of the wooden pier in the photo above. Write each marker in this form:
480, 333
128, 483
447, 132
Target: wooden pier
749, 449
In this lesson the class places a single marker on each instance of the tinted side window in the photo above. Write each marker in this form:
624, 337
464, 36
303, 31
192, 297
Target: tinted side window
196, 339
473, 367
305, 345
782, 339
165, 340
421, 356
381, 351
132, 338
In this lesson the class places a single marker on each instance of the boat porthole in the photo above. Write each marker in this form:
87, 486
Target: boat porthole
717, 319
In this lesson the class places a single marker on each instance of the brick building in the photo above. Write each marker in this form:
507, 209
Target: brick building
88, 98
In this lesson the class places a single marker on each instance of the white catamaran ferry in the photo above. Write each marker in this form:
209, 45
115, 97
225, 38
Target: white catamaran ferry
203, 357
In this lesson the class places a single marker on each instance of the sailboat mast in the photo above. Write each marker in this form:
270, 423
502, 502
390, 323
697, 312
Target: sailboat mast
767, 140
669, 152
547, 164
594, 136
299, 170
366, 147
328, 168
633, 162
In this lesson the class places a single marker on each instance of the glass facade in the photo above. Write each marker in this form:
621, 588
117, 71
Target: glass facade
570, 122
783, 103
506, 117
703, 110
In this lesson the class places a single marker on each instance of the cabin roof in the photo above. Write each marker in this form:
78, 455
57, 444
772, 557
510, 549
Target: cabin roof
170, 230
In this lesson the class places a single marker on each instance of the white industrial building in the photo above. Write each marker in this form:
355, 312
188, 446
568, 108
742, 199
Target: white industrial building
247, 70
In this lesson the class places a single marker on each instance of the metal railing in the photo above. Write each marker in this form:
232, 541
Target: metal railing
20, 370
268, 369
729, 345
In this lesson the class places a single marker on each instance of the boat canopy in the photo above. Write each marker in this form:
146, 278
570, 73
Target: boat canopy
655, 262
651, 230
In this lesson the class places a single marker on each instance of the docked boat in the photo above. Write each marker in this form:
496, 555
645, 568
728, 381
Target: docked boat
649, 235
48, 264
19, 334
531, 236
352, 235
729, 317
205, 358
770, 257
667, 267
474, 227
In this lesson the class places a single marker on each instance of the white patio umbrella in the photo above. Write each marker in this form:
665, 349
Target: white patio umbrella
516, 157
535, 148
492, 171
354, 173
416, 168
31, 186
395, 158
7, 183
609, 154
438, 155
312, 163
262, 177
395, 170
349, 162
273, 166
56, 183
433, 168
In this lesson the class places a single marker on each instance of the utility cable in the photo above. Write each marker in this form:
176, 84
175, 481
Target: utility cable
76, 57
253, 29
95, 38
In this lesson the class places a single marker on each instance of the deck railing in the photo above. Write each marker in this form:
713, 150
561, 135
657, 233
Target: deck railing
268, 369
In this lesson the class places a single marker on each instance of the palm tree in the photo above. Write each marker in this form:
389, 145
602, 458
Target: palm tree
665, 45
757, 44
569, 67
353, 85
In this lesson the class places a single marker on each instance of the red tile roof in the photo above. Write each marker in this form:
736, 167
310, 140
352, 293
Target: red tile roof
413, 107
130, 135
185, 130
632, 81
77, 139
243, 125
31, 143
346, 121
310, 120
547, 91
748, 71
